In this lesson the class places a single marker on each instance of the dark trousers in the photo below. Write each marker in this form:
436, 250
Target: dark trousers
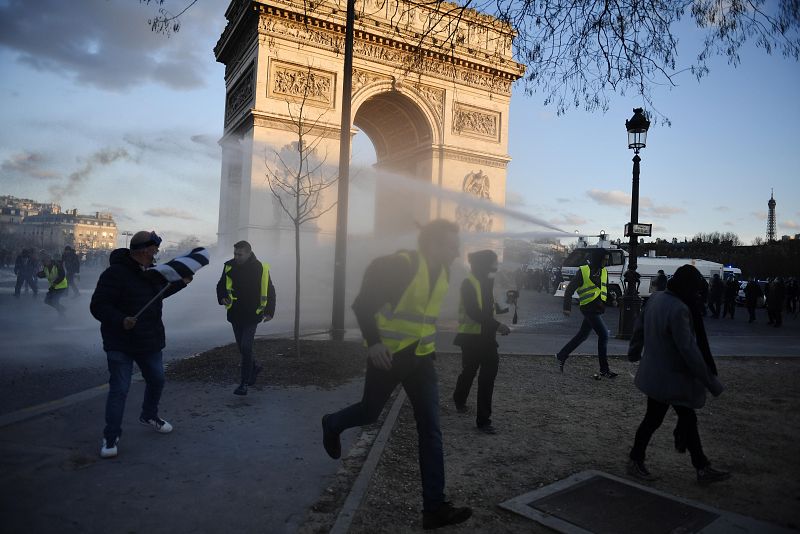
53, 297
474, 357
71, 283
685, 433
120, 369
418, 376
715, 305
244, 334
591, 321
751, 310
730, 307
26, 279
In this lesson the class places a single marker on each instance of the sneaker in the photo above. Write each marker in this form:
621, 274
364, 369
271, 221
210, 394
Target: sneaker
241, 390
487, 429
160, 426
109, 451
560, 363
709, 475
330, 439
256, 369
638, 470
462, 408
608, 374
446, 514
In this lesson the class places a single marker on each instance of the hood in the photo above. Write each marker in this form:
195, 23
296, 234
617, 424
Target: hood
120, 255
481, 262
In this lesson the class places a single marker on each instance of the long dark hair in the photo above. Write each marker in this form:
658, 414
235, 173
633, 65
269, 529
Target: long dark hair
689, 285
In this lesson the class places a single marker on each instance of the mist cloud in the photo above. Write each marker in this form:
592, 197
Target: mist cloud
170, 212
108, 44
28, 165
75, 180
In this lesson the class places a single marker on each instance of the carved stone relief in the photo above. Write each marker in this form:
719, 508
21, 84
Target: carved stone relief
298, 82
470, 218
241, 95
475, 122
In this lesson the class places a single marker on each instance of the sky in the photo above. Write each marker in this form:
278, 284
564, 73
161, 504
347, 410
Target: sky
104, 115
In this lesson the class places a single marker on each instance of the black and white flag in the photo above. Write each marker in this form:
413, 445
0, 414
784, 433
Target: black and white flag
183, 266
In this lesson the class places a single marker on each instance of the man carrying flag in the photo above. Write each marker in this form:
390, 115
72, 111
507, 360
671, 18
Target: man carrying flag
246, 290
127, 302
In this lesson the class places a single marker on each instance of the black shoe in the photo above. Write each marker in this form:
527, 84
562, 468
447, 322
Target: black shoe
637, 469
241, 390
446, 514
256, 369
608, 374
487, 429
680, 442
462, 408
330, 440
709, 475
560, 363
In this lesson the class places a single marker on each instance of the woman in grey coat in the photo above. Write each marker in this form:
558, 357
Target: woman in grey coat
676, 370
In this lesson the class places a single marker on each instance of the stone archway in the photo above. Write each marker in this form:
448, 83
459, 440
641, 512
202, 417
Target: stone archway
431, 92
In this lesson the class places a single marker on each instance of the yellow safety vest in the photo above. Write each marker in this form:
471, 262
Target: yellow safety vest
52, 274
413, 319
466, 325
264, 287
588, 291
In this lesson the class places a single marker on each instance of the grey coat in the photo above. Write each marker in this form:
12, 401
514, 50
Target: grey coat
672, 369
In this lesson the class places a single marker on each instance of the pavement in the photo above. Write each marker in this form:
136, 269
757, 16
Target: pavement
246, 464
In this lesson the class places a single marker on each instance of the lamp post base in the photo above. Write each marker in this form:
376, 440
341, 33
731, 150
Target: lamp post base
628, 312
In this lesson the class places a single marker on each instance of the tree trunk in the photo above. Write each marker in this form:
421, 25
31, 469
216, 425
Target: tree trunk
297, 290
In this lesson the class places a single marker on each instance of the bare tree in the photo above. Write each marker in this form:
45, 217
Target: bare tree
297, 178
165, 21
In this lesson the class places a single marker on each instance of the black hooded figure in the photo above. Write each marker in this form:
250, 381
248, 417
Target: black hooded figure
676, 370
590, 281
477, 330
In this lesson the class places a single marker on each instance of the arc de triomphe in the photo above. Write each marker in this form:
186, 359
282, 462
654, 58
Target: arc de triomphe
431, 90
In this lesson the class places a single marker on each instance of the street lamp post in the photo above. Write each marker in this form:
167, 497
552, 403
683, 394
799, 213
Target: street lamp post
127, 234
637, 128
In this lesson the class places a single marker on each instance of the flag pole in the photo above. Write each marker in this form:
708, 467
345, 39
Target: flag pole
152, 300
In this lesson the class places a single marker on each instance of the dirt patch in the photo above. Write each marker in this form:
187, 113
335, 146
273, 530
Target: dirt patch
552, 425
324, 364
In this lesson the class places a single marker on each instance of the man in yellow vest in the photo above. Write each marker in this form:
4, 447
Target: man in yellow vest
477, 329
396, 308
56, 276
246, 290
591, 283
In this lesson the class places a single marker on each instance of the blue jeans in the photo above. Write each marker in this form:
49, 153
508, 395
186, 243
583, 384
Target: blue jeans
418, 376
120, 369
591, 321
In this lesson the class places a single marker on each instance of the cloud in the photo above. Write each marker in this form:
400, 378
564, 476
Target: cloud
665, 211
120, 214
173, 143
562, 200
75, 180
657, 228
610, 198
170, 212
761, 215
28, 165
789, 224
722, 208
569, 219
109, 45
514, 199
728, 223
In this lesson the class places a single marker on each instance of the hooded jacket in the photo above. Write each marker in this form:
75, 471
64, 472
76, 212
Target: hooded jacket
481, 263
122, 290
246, 280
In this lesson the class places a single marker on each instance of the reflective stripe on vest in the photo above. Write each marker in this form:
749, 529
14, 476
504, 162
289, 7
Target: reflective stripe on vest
264, 287
466, 325
413, 319
588, 290
52, 274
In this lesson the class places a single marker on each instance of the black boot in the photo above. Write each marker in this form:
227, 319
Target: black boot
241, 390
446, 514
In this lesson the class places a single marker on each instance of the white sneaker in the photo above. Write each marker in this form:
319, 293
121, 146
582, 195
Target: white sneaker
109, 451
158, 424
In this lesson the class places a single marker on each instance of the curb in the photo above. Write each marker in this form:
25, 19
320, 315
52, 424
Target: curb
359, 488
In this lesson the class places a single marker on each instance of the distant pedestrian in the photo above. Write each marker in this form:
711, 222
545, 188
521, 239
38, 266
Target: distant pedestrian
792, 296
752, 295
731, 290
775, 301
72, 265
397, 307
715, 292
25, 268
660, 281
128, 304
477, 331
246, 290
591, 283
676, 370
53, 271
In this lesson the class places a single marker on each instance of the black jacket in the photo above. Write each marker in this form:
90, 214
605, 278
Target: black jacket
246, 280
483, 315
122, 290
